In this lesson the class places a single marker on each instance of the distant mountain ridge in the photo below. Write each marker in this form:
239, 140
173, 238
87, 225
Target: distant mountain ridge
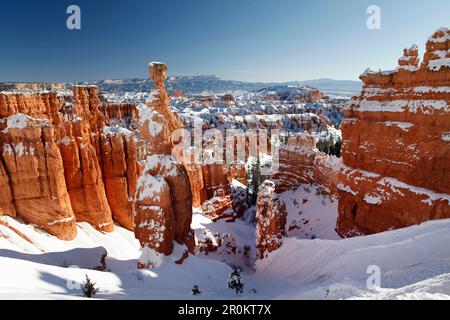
215, 85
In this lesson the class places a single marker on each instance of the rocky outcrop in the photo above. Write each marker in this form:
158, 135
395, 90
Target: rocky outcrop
124, 115
298, 94
396, 144
82, 168
195, 173
58, 165
164, 198
219, 207
239, 173
300, 162
33, 176
17, 86
215, 177
120, 173
270, 219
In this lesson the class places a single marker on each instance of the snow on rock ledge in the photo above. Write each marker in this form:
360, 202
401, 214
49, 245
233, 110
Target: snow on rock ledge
395, 147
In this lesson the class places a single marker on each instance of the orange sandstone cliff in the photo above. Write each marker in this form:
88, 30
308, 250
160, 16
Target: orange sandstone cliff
396, 144
57, 156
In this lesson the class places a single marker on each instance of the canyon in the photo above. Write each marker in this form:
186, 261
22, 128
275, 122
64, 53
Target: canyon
112, 160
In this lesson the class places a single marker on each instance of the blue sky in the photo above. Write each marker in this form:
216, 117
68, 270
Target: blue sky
250, 40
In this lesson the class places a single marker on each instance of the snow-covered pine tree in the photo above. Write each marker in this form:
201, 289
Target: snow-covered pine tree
235, 281
196, 291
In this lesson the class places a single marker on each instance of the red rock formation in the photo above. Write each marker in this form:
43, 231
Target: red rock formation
120, 115
120, 173
51, 150
239, 173
271, 219
164, 197
396, 144
215, 177
219, 207
298, 94
301, 163
209, 242
81, 164
33, 171
197, 184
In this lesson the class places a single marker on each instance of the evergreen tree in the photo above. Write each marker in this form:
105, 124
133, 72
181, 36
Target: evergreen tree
196, 291
256, 179
89, 289
235, 281
328, 146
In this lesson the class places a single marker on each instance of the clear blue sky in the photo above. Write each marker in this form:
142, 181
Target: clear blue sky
252, 40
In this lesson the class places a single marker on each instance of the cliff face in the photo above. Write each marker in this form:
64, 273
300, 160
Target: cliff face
33, 176
301, 163
55, 158
164, 198
396, 144
120, 173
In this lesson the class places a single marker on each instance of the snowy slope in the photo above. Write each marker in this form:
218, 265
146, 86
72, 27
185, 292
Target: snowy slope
414, 263
310, 215
319, 269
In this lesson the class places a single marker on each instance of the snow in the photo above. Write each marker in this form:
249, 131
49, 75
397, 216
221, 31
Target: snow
21, 121
345, 188
40, 270
18, 149
310, 214
65, 141
444, 38
150, 187
147, 115
430, 195
165, 162
18, 121
369, 71
437, 64
424, 89
408, 68
117, 130
405, 126
150, 257
413, 263
153, 96
446, 136
372, 199
413, 106
65, 220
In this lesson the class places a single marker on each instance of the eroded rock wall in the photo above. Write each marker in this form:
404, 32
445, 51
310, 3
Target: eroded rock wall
396, 144
53, 165
300, 162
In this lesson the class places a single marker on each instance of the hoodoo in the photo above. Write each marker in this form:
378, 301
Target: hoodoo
164, 198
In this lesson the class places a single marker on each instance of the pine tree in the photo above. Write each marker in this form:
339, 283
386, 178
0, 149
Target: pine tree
338, 147
89, 289
196, 291
235, 281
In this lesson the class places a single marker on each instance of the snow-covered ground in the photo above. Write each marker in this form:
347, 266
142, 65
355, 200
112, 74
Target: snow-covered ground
414, 262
